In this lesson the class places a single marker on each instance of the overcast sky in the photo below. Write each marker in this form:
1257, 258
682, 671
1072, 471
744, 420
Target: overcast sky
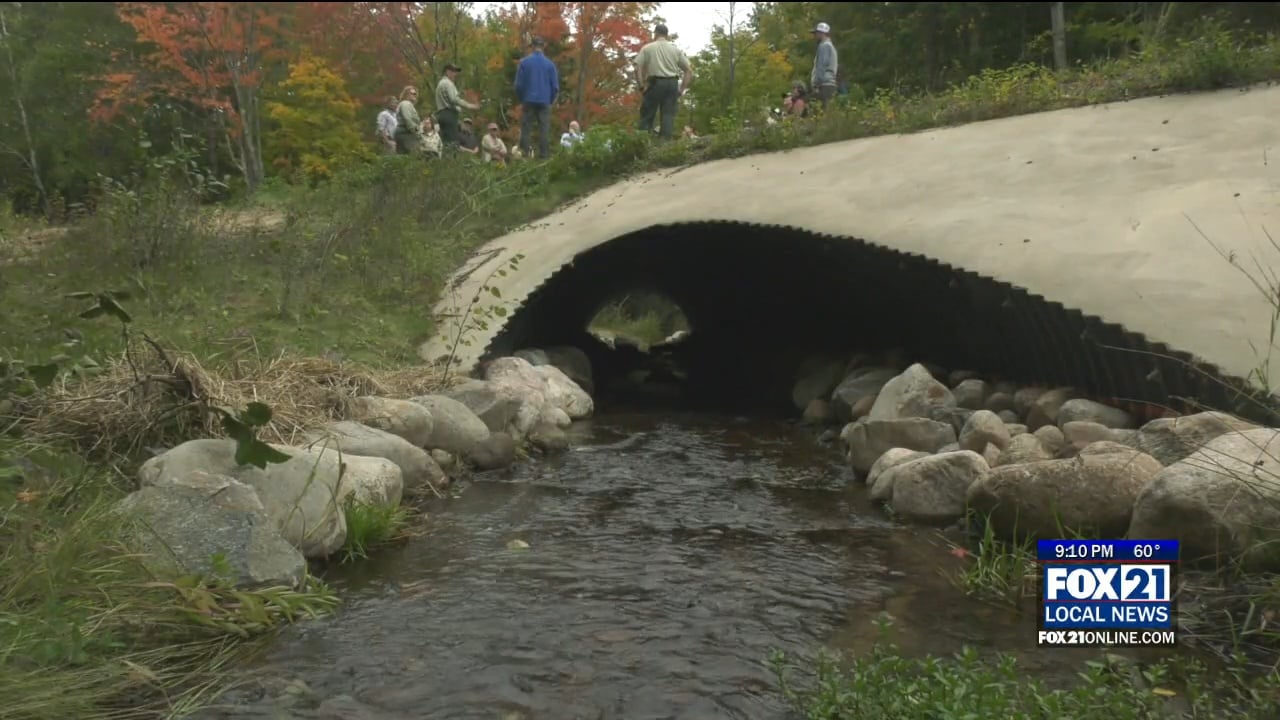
692, 21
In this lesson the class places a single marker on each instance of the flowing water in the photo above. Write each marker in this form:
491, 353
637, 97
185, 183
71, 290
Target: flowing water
667, 556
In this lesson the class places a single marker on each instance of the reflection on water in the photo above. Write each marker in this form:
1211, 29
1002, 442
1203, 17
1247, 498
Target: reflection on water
667, 556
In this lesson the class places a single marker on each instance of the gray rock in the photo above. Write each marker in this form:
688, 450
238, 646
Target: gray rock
1014, 428
1025, 448
1077, 435
1045, 409
971, 394
870, 439
858, 391
1221, 502
398, 417
563, 393
495, 408
549, 439
184, 522
497, 451
958, 376
352, 438
932, 489
1052, 439
574, 363
913, 394
1092, 494
983, 428
1084, 410
1172, 439
881, 485
304, 496
1025, 398
1000, 403
455, 428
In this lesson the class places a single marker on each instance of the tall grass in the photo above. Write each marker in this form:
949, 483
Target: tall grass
86, 630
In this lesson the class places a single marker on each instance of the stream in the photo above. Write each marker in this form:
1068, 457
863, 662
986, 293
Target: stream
667, 556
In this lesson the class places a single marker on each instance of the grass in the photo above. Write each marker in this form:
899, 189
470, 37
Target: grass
885, 685
646, 320
347, 272
369, 526
86, 631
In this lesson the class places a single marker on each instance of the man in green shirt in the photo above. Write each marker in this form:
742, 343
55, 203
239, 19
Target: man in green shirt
448, 103
664, 73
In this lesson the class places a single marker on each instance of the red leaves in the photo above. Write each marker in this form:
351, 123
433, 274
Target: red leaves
194, 51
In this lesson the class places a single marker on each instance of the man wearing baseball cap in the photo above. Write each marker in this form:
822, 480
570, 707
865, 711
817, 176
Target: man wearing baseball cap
822, 82
448, 104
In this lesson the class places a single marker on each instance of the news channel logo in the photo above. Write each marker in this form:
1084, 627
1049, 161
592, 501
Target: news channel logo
1107, 593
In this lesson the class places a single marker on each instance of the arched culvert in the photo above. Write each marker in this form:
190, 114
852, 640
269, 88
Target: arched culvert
764, 297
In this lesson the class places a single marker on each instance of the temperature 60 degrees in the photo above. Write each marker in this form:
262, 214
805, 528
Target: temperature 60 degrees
1145, 550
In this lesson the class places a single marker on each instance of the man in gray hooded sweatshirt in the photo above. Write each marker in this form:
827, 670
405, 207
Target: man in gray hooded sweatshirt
823, 80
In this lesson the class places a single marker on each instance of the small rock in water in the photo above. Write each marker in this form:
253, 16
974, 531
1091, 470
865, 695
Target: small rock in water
517, 545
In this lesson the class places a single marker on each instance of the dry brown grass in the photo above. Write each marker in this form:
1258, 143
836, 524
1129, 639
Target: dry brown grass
153, 398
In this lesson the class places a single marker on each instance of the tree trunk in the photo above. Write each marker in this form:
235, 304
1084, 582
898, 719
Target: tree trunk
30, 160
586, 41
1058, 18
733, 63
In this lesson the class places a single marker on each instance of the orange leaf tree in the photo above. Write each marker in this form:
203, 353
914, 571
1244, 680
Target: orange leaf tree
213, 55
354, 42
606, 38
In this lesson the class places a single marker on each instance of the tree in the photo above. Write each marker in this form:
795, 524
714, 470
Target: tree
27, 153
761, 75
606, 38
1059, 23
213, 54
315, 122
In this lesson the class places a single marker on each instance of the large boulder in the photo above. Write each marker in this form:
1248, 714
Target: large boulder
856, 394
816, 377
1092, 493
398, 417
932, 489
305, 496
1221, 502
868, 440
1172, 439
455, 429
352, 438
205, 524
913, 394
563, 393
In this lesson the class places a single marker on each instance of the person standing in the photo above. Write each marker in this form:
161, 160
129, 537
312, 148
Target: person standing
387, 126
448, 103
537, 85
825, 66
664, 73
408, 124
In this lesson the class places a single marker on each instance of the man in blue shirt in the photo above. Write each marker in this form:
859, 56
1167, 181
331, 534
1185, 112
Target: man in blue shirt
537, 85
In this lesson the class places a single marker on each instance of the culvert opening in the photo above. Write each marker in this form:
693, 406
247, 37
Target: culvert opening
763, 299
642, 318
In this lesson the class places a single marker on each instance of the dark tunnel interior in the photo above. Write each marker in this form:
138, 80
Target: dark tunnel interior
761, 298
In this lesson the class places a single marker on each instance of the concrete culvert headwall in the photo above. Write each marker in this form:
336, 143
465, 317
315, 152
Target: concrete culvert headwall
1068, 247
761, 298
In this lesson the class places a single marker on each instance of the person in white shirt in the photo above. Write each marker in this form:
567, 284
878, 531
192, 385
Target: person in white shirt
573, 137
387, 126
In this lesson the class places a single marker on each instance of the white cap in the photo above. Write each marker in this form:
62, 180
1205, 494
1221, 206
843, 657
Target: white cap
822, 28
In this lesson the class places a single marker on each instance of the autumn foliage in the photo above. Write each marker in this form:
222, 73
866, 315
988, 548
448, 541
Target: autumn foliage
317, 124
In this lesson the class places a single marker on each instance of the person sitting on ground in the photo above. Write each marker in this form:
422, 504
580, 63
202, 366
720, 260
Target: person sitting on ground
467, 138
431, 145
796, 104
573, 136
492, 148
